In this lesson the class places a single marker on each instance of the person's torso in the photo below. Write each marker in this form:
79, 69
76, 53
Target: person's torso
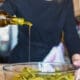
48, 18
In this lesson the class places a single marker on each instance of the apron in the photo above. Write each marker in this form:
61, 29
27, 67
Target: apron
56, 55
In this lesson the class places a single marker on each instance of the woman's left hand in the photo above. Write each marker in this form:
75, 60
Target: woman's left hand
76, 63
76, 60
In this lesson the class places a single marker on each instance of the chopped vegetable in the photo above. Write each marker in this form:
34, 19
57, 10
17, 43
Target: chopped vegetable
32, 74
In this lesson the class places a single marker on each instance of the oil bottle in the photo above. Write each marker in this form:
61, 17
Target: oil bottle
6, 19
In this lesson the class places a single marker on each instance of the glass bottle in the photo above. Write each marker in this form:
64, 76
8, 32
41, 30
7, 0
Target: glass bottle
6, 19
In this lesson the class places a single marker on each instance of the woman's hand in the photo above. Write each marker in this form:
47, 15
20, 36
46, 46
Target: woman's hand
76, 63
76, 60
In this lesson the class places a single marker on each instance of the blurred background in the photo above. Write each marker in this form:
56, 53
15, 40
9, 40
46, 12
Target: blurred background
8, 40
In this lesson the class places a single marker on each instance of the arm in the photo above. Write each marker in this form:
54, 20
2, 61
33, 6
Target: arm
71, 37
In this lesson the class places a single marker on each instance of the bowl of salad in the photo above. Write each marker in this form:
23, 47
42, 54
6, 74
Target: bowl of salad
39, 71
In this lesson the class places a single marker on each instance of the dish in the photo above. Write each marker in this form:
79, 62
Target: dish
39, 71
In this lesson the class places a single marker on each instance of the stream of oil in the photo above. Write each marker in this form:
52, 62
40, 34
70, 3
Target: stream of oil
29, 54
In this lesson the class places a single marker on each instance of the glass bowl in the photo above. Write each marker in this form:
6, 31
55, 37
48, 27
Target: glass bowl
38, 71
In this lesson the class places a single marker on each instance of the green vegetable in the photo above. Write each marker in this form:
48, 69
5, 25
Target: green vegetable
32, 74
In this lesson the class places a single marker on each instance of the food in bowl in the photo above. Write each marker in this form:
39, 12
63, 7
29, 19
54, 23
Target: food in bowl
34, 71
